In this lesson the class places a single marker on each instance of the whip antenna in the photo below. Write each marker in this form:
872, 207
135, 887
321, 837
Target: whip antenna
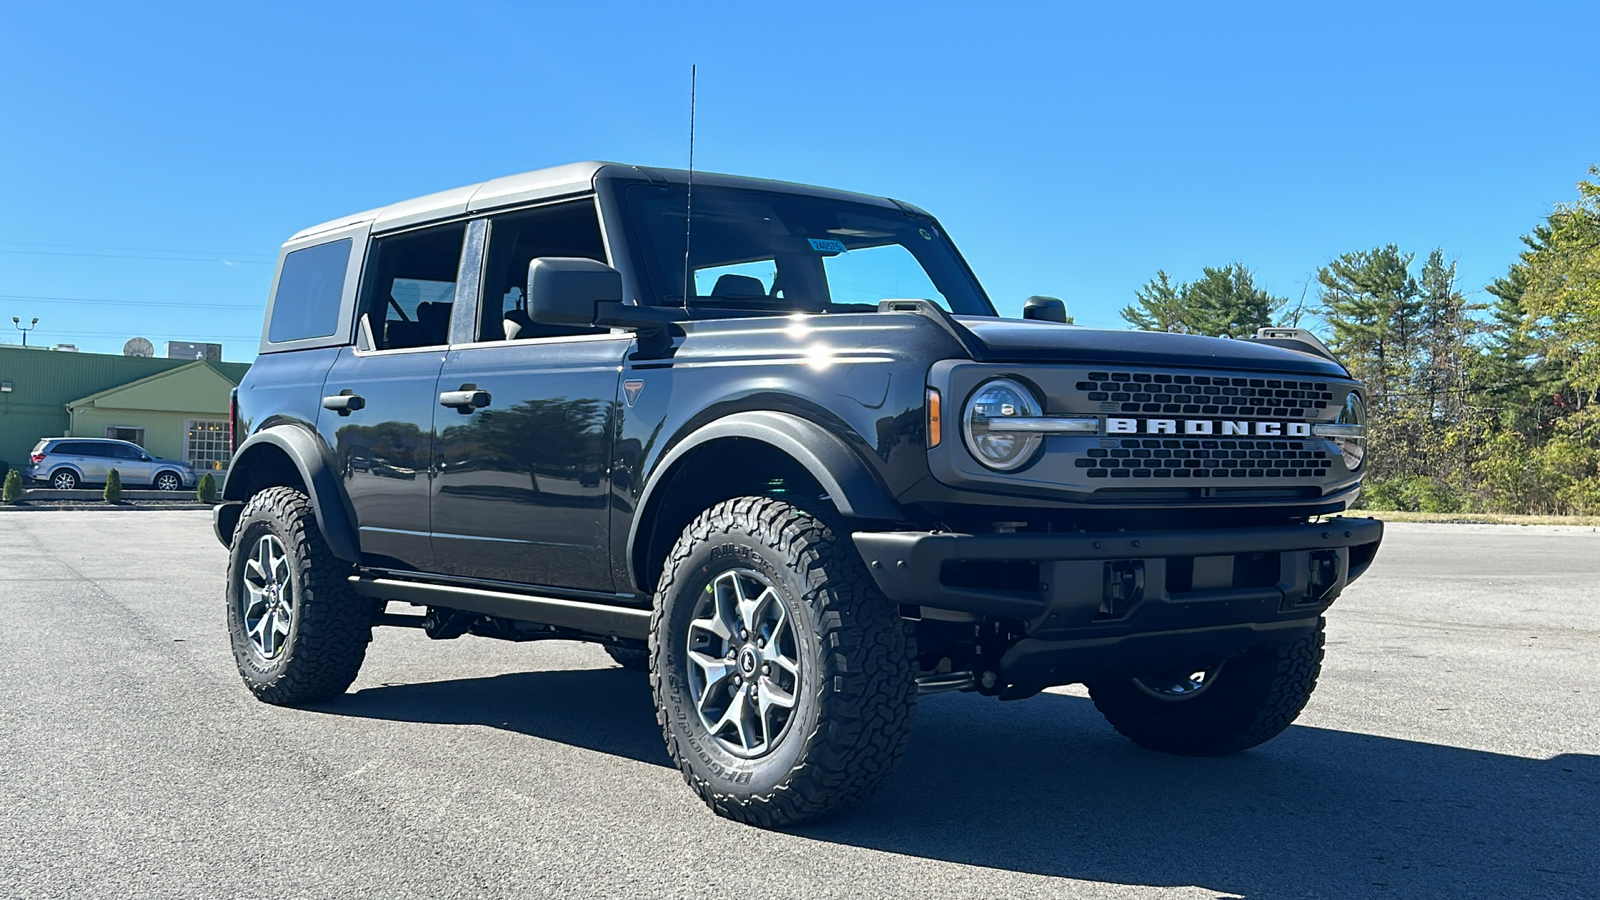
688, 207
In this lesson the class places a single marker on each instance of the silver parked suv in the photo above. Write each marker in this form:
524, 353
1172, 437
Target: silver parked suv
65, 463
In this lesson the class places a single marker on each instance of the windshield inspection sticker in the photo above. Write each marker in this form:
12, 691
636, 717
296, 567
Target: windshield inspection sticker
822, 245
925, 235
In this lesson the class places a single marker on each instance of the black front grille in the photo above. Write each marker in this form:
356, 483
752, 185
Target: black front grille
1205, 395
1206, 458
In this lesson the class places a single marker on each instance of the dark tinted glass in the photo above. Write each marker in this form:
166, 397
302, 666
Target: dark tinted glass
759, 250
118, 451
307, 302
515, 240
82, 448
410, 286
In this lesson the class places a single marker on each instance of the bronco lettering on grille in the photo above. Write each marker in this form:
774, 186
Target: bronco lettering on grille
1207, 426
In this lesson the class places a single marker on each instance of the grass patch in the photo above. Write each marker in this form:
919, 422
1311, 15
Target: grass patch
1389, 515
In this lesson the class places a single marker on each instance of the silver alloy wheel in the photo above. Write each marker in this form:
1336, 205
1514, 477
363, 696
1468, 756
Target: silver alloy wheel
743, 663
63, 481
167, 481
1183, 687
269, 598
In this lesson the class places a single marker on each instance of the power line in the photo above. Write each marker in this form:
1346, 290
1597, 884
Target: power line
210, 259
129, 302
137, 249
181, 337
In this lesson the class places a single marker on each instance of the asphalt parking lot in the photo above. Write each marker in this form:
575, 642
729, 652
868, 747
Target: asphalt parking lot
1452, 750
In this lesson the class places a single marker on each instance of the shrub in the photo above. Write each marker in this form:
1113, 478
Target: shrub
113, 492
206, 490
13, 489
1411, 493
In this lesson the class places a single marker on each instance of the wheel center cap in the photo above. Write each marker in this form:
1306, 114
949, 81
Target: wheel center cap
747, 660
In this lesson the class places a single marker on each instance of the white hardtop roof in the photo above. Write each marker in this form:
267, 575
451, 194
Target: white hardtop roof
542, 184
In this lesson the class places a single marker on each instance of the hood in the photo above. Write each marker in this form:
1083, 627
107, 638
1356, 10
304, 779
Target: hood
1021, 340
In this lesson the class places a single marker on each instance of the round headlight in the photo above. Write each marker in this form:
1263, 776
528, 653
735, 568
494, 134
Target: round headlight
983, 424
1354, 413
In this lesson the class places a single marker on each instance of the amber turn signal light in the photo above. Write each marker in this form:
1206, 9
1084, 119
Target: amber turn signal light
934, 430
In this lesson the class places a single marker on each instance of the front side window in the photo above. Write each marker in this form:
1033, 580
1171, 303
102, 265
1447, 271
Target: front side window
517, 239
410, 286
766, 251
306, 304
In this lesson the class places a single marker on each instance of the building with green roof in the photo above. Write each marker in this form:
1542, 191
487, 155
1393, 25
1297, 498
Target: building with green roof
174, 408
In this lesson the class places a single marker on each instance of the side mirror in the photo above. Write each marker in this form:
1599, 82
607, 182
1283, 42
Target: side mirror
1045, 309
568, 290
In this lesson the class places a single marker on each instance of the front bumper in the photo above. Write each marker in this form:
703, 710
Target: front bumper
1105, 601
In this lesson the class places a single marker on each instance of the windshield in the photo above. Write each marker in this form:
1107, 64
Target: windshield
761, 251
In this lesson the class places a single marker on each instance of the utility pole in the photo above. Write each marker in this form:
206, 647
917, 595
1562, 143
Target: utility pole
16, 322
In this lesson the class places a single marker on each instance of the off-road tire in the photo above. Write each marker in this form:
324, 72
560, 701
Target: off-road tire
1255, 697
330, 627
629, 657
857, 693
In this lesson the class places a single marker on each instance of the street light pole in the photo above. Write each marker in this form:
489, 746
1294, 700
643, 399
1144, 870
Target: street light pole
16, 322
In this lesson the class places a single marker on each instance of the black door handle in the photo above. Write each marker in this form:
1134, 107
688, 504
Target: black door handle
345, 402
465, 400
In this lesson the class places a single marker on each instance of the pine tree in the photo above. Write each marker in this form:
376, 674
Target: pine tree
12, 492
1374, 313
1223, 302
113, 491
1158, 306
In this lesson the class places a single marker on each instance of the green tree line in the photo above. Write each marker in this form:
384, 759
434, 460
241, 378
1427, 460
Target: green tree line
1472, 407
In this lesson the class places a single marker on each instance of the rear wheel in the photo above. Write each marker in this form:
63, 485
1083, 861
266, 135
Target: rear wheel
1227, 707
64, 480
168, 481
299, 633
783, 679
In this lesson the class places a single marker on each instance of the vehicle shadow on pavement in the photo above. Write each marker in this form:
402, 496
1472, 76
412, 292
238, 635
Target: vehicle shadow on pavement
607, 710
1046, 787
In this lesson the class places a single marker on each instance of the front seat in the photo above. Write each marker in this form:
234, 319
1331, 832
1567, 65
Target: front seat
434, 318
738, 287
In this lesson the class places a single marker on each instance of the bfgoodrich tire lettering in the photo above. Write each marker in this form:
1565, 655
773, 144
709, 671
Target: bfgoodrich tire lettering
856, 691
1251, 700
329, 626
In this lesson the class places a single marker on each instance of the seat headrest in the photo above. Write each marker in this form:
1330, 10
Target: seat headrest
515, 322
732, 285
435, 321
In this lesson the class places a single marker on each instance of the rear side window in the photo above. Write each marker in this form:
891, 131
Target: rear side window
409, 290
307, 302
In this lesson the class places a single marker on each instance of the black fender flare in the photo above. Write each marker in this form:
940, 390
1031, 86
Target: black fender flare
854, 491
305, 450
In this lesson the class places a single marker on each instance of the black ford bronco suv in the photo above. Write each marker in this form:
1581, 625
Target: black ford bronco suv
772, 444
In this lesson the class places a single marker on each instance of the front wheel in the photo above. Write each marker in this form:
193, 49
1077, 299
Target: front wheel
168, 481
299, 633
783, 679
1230, 706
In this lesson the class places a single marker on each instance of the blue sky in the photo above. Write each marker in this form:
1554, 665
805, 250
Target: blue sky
160, 153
